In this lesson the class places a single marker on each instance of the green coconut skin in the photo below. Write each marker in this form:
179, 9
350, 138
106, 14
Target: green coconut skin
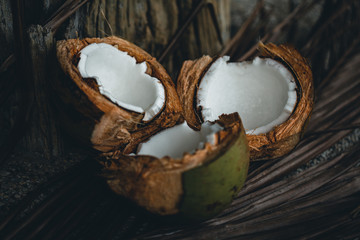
210, 188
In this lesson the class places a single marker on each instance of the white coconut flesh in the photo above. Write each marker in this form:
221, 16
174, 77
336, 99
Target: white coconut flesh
263, 92
180, 139
121, 79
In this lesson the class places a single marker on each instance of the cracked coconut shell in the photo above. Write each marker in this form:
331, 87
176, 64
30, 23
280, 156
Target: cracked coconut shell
282, 138
197, 186
92, 117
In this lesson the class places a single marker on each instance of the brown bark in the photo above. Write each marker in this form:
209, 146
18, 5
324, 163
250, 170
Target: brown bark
6, 30
151, 24
43, 135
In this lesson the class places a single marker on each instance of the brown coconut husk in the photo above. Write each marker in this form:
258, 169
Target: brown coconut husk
111, 126
284, 137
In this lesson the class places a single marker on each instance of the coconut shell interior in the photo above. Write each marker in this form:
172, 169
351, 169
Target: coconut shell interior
111, 126
284, 137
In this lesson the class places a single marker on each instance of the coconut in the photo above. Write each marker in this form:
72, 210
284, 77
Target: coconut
273, 95
115, 95
122, 101
194, 174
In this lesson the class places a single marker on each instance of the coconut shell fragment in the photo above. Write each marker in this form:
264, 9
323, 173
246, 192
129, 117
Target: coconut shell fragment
282, 138
197, 186
92, 117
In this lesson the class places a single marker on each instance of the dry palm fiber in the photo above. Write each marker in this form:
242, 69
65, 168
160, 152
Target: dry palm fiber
313, 192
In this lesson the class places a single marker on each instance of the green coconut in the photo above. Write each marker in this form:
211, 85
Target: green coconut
197, 185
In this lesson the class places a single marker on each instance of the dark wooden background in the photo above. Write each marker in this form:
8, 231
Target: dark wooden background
49, 184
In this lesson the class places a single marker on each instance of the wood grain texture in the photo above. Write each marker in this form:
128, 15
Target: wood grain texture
44, 133
6, 30
151, 24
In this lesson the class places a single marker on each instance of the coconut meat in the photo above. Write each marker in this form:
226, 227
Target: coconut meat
263, 92
180, 139
121, 79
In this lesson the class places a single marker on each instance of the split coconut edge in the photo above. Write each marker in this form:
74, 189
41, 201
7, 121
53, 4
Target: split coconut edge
282, 138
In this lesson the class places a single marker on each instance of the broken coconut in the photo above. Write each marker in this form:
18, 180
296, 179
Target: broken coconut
272, 94
115, 93
194, 174
122, 100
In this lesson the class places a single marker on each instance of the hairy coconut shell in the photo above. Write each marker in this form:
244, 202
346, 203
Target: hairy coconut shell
284, 137
198, 186
92, 117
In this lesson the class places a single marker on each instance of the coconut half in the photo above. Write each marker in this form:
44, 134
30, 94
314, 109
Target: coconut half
261, 91
195, 174
122, 80
272, 94
115, 95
